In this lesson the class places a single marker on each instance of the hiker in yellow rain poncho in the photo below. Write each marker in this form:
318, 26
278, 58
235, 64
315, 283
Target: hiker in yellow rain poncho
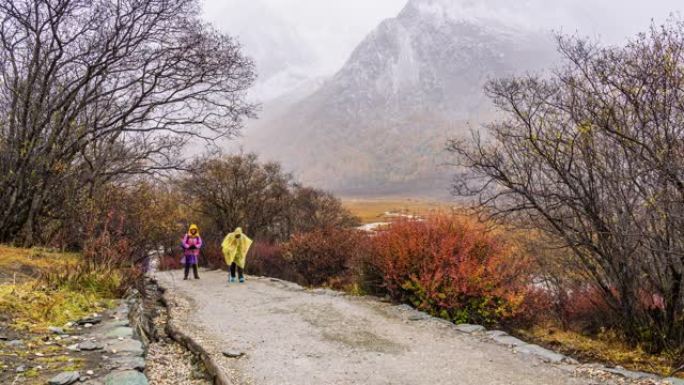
235, 247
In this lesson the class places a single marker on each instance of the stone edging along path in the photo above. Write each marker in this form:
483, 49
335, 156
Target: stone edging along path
209, 355
188, 342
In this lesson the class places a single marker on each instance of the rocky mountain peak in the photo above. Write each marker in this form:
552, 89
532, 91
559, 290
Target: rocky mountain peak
412, 83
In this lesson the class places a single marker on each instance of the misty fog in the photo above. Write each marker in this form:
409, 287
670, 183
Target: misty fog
294, 41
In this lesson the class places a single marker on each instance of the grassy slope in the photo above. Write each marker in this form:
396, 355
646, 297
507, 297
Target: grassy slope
24, 264
607, 348
30, 301
43, 288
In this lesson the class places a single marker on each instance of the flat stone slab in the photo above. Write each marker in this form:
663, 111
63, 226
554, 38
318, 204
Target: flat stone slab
126, 377
495, 333
630, 374
127, 363
73, 348
15, 343
441, 321
509, 341
329, 292
470, 329
89, 346
288, 285
129, 346
117, 323
120, 331
416, 316
675, 381
405, 307
65, 378
233, 353
89, 320
545, 354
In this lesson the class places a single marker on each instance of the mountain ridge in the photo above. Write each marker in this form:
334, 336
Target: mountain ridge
382, 121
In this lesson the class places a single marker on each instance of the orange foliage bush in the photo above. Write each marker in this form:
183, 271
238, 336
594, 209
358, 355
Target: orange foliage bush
452, 267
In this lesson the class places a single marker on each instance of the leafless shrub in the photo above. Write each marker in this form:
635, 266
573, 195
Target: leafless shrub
239, 191
593, 156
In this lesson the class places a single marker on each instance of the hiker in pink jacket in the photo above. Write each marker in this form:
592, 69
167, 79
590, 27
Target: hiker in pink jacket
192, 242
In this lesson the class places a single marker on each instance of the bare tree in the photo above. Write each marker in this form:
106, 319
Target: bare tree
312, 209
593, 156
105, 88
240, 191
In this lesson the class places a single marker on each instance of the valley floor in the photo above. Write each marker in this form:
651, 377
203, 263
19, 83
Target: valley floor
377, 210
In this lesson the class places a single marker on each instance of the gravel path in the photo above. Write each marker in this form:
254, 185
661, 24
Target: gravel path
291, 336
170, 364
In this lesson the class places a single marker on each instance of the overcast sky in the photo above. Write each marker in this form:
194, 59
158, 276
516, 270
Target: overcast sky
331, 28
294, 41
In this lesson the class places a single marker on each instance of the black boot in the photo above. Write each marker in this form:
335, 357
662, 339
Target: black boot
194, 271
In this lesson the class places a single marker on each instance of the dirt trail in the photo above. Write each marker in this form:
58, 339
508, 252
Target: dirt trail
300, 337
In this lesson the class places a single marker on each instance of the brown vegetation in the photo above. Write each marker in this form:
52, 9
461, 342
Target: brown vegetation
94, 92
592, 157
240, 191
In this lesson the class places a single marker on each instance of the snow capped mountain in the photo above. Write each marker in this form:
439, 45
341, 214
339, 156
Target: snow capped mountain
381, 123
412, 63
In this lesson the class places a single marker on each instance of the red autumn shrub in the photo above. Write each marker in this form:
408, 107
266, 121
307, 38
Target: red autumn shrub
267, 260
452, 267
537, 307
585, 309
325, 256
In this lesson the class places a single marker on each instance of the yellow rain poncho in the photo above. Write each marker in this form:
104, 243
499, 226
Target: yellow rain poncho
235, 249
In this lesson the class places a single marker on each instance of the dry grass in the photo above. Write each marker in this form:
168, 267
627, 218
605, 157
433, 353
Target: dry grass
43, 288
35, 309
606, 348
373, 210
24, 264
